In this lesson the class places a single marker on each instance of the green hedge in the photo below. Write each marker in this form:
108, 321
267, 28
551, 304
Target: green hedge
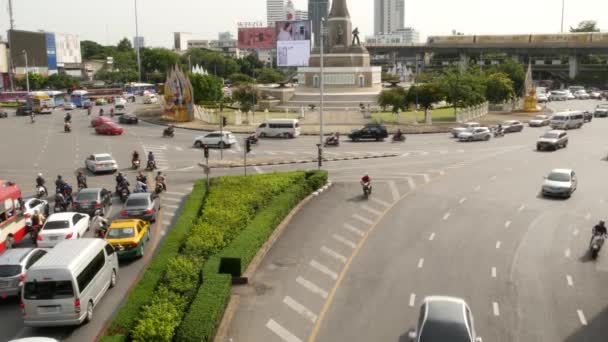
201, 322
129, 312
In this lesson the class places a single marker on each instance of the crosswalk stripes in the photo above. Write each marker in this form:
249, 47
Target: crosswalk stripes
159, 155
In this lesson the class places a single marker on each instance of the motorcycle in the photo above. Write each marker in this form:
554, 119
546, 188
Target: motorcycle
32, 230
253, 139
67, 128
158, 188
498, 134
151, 165
124, 194
81, 186
168, 133
41, 192
367, 189
597, 241
135, 164
398, 138
332, 142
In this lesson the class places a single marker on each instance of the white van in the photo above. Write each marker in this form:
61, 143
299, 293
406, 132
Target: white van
65, 285
568, 120
150, 99
280, 128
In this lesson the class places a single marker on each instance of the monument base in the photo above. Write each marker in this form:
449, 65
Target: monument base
531, 105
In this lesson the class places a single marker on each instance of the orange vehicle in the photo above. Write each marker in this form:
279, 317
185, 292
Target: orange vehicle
12, 220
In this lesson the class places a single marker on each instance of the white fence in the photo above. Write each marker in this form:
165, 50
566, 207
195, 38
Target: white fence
472, 113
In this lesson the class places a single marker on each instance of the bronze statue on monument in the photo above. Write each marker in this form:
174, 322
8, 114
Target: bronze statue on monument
356, 40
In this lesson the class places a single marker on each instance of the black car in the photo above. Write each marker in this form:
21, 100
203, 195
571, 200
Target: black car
91, 199
24, 110
128, 119
3, 114
369, 132
588, 116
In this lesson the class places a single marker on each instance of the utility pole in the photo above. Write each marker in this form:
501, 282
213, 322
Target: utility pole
322, 90
11, 75
137, 47
563, 10
27, 72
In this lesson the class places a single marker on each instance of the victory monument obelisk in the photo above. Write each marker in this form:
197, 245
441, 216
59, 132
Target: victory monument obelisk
346, 63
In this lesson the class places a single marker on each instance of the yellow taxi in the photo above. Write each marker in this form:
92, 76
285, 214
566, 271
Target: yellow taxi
128, 237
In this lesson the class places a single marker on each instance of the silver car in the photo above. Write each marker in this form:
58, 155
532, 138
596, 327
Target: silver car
552, 140
560, 183
539, 121
475, 134
13, 265
457, 130
142, 205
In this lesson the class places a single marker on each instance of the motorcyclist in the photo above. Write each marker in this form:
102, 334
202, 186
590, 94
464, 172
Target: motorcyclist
366, 180
67, 118
398, 135
141, 177
89, 110
66, 190
120, 178
141, 186
112, 112
333, 138
134, 156
40, 182
600, 228
60, 201
151, 160
499, 129
160, 179
37, 219
59, 182
81, 180
100, 111
99, 223
170, 130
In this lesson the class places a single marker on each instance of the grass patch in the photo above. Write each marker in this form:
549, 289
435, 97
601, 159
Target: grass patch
10, 104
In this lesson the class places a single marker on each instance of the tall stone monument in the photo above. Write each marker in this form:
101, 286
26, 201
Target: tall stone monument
347, 63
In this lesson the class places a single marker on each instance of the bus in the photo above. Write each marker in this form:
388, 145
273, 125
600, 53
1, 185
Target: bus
80, 97
41, 103
58, 97
13, 96
140, 88
12, 220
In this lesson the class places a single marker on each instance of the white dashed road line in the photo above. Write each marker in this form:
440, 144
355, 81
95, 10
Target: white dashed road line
421, 263
362, 219
412, 299
521, 208
394, 190
495, 309
462, 200
323, 269
381, 202
299, 308
432, 237
569, 280
567, 252
446, 216
334, 254
493, 272
498, 243
344, 241
371, 210
310, 286
477, 188
581, 317
354, 229
283, 333
507, 224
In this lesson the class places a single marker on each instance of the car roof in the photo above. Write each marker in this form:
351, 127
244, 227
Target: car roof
219, 132
102, 155
556, 131
445, 320
126, 223
145, 195
568, 171
60, 216
14, 256
91, 190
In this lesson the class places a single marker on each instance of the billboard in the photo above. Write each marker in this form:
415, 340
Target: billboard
256, 38
32, 42
293, 43
51, 51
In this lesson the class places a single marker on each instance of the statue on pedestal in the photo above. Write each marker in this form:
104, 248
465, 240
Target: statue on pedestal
340, 36
356, 40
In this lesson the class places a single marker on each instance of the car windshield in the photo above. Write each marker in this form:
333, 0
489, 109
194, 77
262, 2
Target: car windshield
551, 135
56, 225
559, 118
86, 196
559, 177
540, 117
45, 290
103, 158
120, 233
9, 270
136, 202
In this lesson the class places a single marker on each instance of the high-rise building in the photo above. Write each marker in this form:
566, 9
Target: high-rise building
317, 9
275, 11
139, 41
389, 16
180, 40
301, 15
407, 35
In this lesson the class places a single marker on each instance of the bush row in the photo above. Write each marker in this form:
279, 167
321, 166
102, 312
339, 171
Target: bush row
124, 321
231, 203
206, 311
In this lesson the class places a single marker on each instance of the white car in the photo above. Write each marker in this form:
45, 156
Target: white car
558, 95
595, 95
475, 134
102, 162
215, 139
560, 182
569, 95
69, 106
120, 100
62, 226
581, 95
542, 98
33, 204
457, 130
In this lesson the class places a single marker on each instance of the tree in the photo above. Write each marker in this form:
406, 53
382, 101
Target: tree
395, 98
207, 88
267, 76
92, 50
238, 79
586, 26
157, 61
249, 65
246, 95
119, 76
390, 78
515, 71
124, 45
426, 95
61, 81
463, 89
37, 81
499, 88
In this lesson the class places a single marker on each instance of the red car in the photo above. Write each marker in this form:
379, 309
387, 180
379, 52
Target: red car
109, 128
100, 120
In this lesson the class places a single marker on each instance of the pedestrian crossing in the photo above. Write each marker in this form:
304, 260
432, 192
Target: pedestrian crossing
160, 155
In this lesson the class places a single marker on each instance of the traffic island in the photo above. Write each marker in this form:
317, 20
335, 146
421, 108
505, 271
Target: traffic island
253, 162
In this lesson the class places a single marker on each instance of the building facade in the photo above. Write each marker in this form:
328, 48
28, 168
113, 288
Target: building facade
180, 40
4, 76
275, 11
317, 10
389, 16
406, 36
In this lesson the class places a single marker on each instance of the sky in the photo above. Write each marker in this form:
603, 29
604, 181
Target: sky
107, 21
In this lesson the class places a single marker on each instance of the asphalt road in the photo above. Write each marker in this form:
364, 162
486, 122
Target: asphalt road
469, 224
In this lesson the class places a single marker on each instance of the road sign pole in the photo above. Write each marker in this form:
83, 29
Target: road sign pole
207, 171
245, 158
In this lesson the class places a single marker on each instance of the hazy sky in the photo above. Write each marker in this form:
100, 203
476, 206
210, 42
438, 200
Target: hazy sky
106, 21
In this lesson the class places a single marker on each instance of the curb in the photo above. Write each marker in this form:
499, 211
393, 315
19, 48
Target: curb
234, 300
304, 161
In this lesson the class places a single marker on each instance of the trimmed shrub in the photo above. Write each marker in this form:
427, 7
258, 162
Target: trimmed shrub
182, 275
114, 338
158, 322
141, 294
204, 241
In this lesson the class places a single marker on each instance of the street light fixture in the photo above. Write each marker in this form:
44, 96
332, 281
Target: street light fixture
322, 90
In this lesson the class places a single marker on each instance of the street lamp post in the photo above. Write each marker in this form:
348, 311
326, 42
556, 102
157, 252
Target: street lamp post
138, 44
322, 90
27, 73
563, 11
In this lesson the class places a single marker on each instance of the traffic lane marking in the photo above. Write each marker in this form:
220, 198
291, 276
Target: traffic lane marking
281, 332
323, 269
344, 241
371, 210
334, 254
353, 229
363, 219
581, 317
312, 287
300, 308
496, 309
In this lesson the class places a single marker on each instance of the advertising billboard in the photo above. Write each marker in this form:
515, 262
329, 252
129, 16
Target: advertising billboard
293, 43
256, 38
32, 42
51, 51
